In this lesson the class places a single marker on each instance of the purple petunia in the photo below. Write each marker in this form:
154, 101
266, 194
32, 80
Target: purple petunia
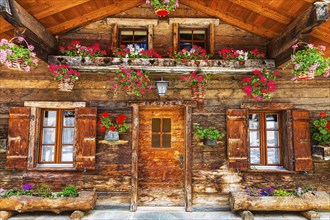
28, 186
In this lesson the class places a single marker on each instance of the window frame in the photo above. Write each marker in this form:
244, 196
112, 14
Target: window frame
263, 138
161, 133
58, 137
206, 36
132, 29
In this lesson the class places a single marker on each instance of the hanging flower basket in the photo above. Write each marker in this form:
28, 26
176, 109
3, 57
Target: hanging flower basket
162, 12
17, 57
197, 92
66, 85
305, 76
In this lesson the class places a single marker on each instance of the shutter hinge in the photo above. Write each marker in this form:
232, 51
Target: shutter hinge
32, 117
30, 159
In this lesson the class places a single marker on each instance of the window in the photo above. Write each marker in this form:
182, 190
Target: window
57, 136
192, 36
135, 37
51, 136
161, 133
264, 138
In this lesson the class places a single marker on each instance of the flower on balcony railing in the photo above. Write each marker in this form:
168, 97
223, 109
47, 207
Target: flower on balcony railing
232, 54
256, 54
131, 80
75, 49
260, 85
63, 71
309, 62
163, 7
195, 79
120, 52
17, 56
138, 52
185, 55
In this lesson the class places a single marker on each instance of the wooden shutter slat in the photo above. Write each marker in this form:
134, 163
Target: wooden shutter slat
301, 141
236, 139
18, 138
288, 158
85, 138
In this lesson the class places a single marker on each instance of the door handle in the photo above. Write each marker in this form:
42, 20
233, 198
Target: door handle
181, 161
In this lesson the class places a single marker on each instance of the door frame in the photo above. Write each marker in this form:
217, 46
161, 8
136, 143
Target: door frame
187, 106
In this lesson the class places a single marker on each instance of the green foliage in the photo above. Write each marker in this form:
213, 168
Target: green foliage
69, 191
207, 133
161, 4
300, 190
321, 131
281, 192
15, 192
42, 190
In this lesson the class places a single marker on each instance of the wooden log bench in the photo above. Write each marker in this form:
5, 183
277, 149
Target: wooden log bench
9, 206
306, 204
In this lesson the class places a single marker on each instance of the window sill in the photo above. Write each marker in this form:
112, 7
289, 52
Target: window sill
54, 167
269, 169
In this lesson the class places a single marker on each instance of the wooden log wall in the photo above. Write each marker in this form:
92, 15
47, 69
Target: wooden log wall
212, 180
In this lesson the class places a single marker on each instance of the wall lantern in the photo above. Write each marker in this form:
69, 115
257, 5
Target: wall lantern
162, 87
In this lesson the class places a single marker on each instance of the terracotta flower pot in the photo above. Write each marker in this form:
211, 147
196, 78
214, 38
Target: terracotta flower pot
162, 12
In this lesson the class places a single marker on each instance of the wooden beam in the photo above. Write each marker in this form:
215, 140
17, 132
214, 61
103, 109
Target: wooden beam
262, 10
150, 36
212, 39
115, 35
188, 161
27, 26
202, 7
95, 15
135, 150
280, 47
175, 37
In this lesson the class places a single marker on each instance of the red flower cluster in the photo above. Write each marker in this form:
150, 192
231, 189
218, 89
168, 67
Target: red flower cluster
150, 54
232, 54
260, 85
75, 49
106, 123
321, 130
194, 79
63, 71
256, 54
120, 52
185, 55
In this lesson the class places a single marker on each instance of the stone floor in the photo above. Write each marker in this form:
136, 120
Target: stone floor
160, 214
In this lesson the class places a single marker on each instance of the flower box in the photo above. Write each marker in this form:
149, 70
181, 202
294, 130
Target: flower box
85, 201
240, 201
321, 152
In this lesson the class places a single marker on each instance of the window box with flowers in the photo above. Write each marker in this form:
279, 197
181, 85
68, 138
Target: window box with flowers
163, 7
197, 84
309, 61
79, 54
195, 56
132, 81
17, 56
321, 134
261, 85
241, 57
112, 128
65, 76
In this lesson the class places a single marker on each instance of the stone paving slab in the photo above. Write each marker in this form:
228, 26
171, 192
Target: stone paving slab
147, 215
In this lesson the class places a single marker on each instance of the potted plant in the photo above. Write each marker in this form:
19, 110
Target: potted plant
321, 134
132, 81
231, 54
197, 84
184, 56
209, 135
112, 128
309, 61
17, 56
260, 85
136, 55
163, 7
65, 76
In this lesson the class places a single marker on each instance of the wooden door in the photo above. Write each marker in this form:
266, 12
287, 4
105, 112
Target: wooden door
161, 142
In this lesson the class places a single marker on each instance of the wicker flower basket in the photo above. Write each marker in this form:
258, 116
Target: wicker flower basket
197, 92
17, 64
66, 85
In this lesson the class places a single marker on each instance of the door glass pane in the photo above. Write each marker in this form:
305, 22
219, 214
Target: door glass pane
166, 141
254, 155
49, 118
67, 135
67, 154
272, 121
166, 125
47, 154
272, 139
156, 125
68, 119
273, 155
156, 141
254, 138
48, 136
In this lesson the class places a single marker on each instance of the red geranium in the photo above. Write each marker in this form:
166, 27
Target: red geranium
106, 123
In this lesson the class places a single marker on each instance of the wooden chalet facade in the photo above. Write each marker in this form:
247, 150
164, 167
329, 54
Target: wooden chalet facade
131, 173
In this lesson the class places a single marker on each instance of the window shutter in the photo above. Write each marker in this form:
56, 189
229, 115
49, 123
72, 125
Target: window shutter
287, 143
85, 138
236, 138
301, 141
18, 138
